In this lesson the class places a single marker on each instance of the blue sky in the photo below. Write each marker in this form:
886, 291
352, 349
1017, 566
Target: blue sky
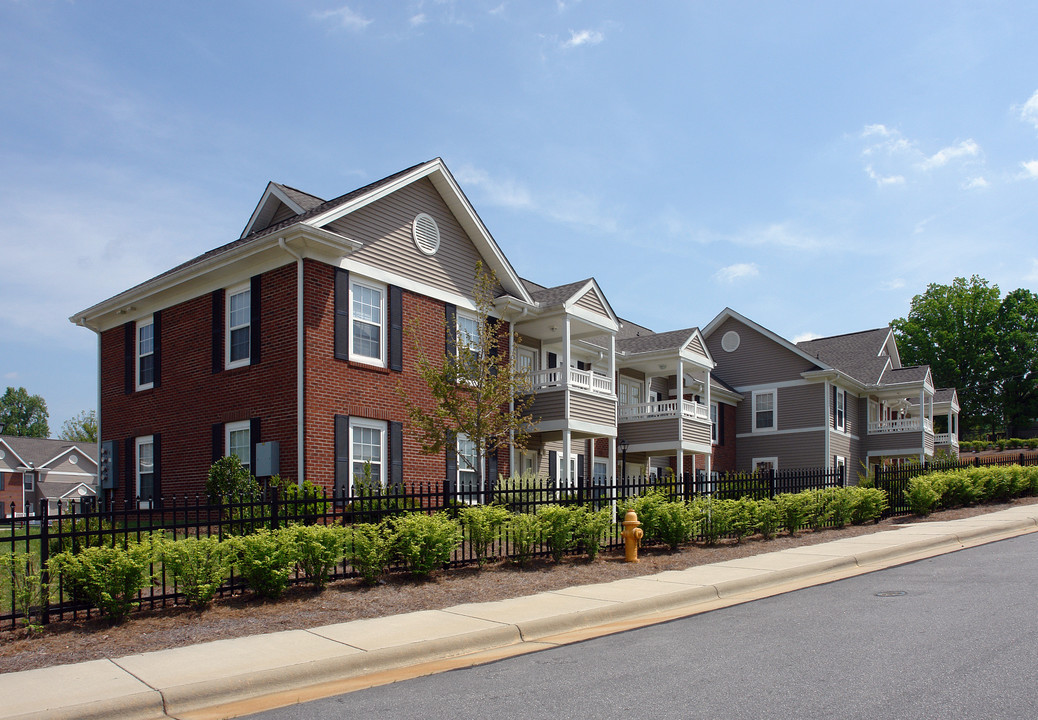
811, 165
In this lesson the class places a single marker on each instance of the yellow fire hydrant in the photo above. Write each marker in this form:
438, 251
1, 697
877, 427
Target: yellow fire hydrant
632, 534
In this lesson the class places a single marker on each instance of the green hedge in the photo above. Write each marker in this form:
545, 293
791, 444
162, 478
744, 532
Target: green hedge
970, 486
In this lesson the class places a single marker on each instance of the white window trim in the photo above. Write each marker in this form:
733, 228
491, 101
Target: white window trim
841, 423
143, 323
460, 314
141, 441
462, 467
839, 460
772, 460
629, 384
382, 289
774, 411
715, 419
31, 477
238, 426
383, 427
531, 455
242, 362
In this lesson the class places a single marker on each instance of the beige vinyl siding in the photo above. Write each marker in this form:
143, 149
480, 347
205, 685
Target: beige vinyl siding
840, 444
758, 360
929, 443
591, 408
548, 406
649, 431
696, 431
591, 301
633, 374
385, 229
793, 450
84, 465
577, 447
284, 212
802, 406
912, 442
660, 385
695, 346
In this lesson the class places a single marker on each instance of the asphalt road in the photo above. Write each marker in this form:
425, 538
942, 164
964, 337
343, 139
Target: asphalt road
954, 636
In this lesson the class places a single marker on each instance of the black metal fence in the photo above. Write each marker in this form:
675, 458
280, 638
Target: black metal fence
894, 479
114, 523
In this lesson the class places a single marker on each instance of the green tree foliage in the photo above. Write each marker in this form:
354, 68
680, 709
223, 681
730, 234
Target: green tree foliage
81, 428
954, 329
1016, 355
473, 387
22, 414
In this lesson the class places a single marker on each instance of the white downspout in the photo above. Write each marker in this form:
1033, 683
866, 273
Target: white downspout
300, 407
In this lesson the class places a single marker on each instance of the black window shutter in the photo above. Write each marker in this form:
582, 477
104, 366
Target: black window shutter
130, 468
130, 356
493, 322
491, 479
450, 340
255, 315
553, 360
832, 419
156, 472
452, 457
157, 357
342, 314
396, 328
553, 465
218, 449
580, 467
720, 424
396, 454
254, 437
342, 454
217, 330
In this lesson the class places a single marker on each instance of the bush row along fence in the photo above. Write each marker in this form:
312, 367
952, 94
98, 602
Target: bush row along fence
894, 480
116, 523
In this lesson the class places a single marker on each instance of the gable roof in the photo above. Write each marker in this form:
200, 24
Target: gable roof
41, 452
774, 337
671, 340
858, 354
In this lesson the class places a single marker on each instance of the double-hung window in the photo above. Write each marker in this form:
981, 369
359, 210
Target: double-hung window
368, 322
713, 422
841, 409
367, 453
239, 326
145, 353
238, 438
145, 470
764, 410
468, 464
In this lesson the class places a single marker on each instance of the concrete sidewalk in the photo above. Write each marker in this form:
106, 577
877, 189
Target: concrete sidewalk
227, 678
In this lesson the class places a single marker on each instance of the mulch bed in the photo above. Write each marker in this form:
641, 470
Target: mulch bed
302, 607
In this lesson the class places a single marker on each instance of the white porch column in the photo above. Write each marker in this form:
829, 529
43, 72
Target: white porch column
680, 459
612, 364
511, 403
567, 454
567, 434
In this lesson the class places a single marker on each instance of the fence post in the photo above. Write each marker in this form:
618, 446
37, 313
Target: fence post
843, 476
1021, 459
580, 491
274, 510
44, 558
976, 461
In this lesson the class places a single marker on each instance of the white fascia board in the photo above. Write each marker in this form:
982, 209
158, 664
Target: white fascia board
389, 278
76, 489
455, 199
68, 451
513, 309
18, 457
727, 396
275, 192
837, 377
778, 339
702, 341
606, 325
891, 341
592, 285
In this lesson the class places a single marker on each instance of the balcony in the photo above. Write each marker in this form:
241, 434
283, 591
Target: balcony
560, 379
899, 425
946, 439
663, 410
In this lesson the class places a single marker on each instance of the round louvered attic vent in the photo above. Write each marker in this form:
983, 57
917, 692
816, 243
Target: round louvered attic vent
426, 234
74, 459
730, 341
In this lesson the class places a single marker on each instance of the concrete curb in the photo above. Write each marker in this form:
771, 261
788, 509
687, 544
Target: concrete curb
220, 678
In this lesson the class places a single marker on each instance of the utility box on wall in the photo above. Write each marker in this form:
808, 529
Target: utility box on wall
268, 459
108, 468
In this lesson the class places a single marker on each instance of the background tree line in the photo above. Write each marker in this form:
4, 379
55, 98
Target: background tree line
982, 344
25, 415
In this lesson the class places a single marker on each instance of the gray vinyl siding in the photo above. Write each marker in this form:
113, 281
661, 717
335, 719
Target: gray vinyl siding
592, 408
660, 385
929, 443
793, 450
577, 447
649, 431
696, 431
591, 301
696, 346
548, 406
385, 229
853, 422
757, 360
896, 442
802, 406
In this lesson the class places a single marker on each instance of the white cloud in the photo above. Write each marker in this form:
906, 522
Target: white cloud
882, 180
11, 376
578, 38
499, 10
418, 19
731, 273
1029, 112
505, 193
967, 148
893, 284
805, 336
1030, 169
345, 18
977, 182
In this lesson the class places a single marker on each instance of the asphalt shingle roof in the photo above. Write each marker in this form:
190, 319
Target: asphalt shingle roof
671, 340
39, 450
856, 354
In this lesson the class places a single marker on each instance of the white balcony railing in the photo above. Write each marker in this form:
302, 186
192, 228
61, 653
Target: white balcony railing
946, 439
663, 410
899, 425
559, 378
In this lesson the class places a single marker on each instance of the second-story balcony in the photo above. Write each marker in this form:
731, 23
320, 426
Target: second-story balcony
900, 425
946, 439
663, 410
562, 378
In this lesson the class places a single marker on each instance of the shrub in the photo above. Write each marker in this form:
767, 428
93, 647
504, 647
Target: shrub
84, 532
793, 510
198, 565
21, 580
368, 550
425, 542
716, 518
482, 525
921, 496
519, 492
1001, 444
304, 504
868, 504
742, 517
524, 533
557, 523
109, 577
229, 478
955, 488
676, 522
646, 506
265, 560
837, 505
1032, 443
319, 549
769, 518
590, 527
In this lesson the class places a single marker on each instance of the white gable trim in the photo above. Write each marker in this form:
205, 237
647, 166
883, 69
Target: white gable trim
68, 451
272, 197
93, 493
592, 286
14, 454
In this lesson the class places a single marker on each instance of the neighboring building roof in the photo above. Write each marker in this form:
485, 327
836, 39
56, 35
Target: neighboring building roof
549, 297
304, 199
671, 340
857, 354
38, 452
913, 374
629, 329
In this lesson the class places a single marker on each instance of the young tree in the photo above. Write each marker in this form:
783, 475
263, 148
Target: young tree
478, 391
23, 414
81, 428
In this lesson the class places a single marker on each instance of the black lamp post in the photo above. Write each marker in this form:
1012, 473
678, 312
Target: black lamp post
623, 451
